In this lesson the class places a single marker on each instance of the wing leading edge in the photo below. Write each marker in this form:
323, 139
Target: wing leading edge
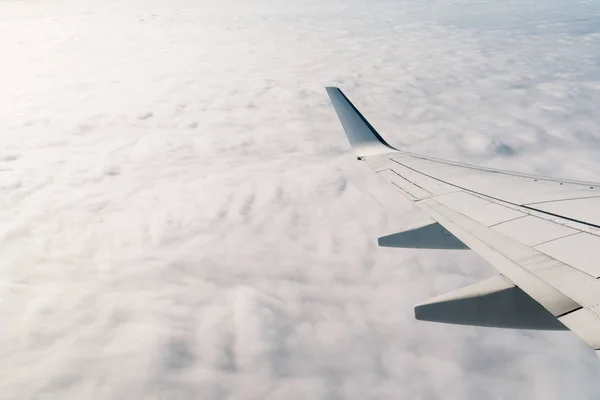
540, 233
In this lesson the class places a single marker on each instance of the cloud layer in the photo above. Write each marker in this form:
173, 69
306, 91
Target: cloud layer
182, 216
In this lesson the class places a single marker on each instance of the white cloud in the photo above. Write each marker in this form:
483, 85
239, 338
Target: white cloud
182, 216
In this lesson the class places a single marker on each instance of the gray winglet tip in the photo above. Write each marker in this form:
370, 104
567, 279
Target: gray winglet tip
334, 91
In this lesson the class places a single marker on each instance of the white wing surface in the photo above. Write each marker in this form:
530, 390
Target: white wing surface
542, 235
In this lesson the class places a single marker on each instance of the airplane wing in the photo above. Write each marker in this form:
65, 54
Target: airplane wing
542, 235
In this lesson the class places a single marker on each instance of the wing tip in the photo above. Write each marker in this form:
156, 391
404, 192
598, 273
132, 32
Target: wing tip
363, 137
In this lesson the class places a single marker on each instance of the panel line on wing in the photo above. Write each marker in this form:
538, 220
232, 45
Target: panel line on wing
561, 216
499, 171
502, 200
509, 220
558, 238
568, 312
410, 196
409, 181
561, 200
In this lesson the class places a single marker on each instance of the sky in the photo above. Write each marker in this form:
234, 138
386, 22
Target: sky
183, 218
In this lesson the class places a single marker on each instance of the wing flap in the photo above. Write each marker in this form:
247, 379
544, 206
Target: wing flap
494, 302
582, 251
532, 231
585, 324
504, 253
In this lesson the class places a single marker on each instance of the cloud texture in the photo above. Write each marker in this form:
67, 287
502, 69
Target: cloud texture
182, 218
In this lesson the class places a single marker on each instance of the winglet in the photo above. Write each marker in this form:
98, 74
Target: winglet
362, 136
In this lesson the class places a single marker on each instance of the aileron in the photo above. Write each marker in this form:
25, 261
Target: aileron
533, 231
581, 251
